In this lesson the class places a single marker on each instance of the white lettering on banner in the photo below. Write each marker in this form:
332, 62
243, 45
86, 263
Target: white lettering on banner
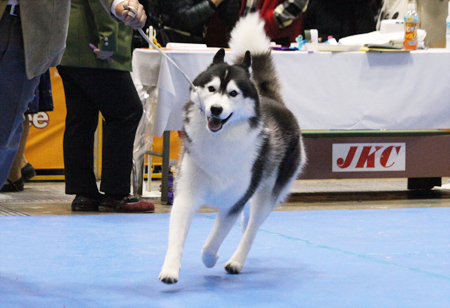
39, 120
351, 157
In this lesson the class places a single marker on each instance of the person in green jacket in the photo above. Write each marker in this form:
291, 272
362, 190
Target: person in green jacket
95, 70
32, 39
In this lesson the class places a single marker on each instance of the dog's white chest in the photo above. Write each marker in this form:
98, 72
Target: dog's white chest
222, 162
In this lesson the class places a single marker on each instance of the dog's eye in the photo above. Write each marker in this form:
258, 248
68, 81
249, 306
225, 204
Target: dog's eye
233, 93
211, 89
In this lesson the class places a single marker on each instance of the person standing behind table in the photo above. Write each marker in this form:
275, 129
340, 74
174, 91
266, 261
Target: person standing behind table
32, 39
283, 18
221, 23
181, 21
98, 79
340, 18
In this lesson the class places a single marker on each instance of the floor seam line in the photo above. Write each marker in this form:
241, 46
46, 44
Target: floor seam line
350, 253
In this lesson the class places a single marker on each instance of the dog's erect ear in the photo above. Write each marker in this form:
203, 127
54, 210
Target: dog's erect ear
247, 61
219, 57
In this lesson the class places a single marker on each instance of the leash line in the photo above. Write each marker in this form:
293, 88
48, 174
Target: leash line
147, 39
132, 12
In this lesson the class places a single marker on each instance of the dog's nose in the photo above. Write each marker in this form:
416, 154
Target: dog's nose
216, 110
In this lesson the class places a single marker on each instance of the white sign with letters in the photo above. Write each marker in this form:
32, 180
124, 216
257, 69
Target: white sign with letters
351, 157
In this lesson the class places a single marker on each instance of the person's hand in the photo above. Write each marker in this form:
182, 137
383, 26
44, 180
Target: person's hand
132, 13
102, 54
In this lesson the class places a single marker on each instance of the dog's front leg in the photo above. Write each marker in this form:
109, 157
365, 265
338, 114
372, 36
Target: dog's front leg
183, 211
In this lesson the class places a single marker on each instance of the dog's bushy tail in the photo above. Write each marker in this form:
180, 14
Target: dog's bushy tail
249, 34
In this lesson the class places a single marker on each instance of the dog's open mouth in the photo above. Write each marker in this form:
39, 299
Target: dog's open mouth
216, 124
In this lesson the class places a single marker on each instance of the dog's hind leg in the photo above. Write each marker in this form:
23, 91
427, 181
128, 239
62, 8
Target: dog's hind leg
261, 204
244, 217
222, 226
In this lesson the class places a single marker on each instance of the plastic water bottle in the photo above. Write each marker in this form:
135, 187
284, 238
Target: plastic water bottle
411, 26
447, 33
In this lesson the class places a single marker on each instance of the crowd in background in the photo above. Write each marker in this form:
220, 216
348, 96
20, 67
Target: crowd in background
100, 48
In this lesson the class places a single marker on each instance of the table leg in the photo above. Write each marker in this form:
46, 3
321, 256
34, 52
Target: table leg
423, 183
165, 167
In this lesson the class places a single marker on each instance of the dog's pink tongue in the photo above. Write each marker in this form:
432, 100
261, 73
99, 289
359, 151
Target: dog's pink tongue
214, 124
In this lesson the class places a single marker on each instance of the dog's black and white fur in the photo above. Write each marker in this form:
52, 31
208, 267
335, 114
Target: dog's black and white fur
242, 148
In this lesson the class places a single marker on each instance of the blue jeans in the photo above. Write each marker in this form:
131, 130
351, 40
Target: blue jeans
16, 90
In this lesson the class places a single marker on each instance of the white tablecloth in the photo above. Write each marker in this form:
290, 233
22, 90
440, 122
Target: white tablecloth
326, 91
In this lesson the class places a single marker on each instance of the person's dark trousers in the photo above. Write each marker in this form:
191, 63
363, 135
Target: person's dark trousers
112, 92
16, 90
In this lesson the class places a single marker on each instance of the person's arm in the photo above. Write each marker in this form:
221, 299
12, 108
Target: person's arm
116, 7
107, 29
195, 15
288, 11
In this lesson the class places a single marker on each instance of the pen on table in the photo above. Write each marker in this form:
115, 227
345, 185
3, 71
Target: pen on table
95, 47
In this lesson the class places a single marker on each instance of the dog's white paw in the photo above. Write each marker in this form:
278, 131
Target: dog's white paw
209, 259
233, 267
169, 276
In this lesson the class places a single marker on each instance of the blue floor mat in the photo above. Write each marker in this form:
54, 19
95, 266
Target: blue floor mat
351, 258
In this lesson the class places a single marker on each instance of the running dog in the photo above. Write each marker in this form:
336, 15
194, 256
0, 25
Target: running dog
242, 148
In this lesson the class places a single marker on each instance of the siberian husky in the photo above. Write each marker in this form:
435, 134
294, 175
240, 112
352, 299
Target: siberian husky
242, 148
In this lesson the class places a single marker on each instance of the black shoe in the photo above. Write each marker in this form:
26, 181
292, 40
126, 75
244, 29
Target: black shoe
13, 186
85, 204
28, 172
